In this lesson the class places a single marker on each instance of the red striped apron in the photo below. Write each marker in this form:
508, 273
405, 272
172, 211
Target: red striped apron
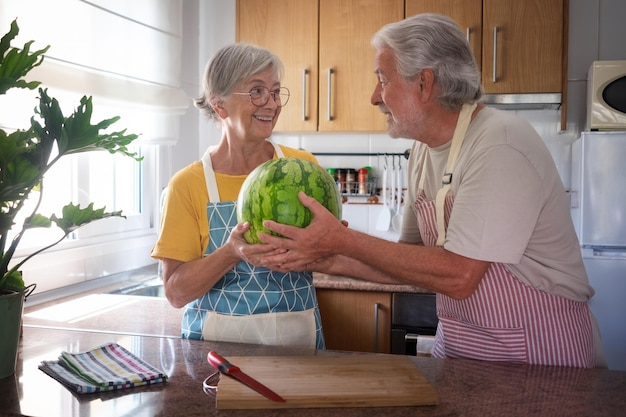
505, 319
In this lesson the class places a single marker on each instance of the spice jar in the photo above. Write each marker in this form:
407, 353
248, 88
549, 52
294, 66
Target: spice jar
341, 180
363, 175
351, 181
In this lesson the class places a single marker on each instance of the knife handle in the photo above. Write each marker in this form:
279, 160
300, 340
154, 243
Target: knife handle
220, 363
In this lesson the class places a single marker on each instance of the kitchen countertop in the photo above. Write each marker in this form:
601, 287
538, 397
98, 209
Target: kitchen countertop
150, 327
465, 388
99, 310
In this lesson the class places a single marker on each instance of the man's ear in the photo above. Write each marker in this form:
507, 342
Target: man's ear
427, 82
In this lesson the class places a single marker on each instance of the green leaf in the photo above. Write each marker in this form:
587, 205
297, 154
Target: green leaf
14, 281
74, 217
38, 220
75, 133
16, 63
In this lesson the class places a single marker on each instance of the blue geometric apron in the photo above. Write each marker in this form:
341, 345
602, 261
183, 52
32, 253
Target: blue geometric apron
251, 304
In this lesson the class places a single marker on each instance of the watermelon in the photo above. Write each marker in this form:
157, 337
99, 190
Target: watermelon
270, 192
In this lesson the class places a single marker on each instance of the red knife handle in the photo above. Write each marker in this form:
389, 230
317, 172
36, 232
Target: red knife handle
220, 363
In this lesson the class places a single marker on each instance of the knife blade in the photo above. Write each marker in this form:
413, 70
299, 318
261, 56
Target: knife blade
231, 370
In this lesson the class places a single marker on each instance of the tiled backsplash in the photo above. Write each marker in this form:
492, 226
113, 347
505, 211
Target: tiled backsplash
348, 143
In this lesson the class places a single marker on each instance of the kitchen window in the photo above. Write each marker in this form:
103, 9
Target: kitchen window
126, 56
112, 181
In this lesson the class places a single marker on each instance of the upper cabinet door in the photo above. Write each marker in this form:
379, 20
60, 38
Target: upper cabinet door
523, 46
522, 42
289, 29
468, 14
347, 78
332, 94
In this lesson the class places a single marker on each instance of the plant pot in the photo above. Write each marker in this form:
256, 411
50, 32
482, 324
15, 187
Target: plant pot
11, 308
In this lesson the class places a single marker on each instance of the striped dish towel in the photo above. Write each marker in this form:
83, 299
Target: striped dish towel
106, 368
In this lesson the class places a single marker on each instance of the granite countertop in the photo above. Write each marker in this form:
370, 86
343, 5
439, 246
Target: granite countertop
464, 387
150, 328
344, 283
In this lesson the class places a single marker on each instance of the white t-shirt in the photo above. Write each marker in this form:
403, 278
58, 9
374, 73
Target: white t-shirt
510, 205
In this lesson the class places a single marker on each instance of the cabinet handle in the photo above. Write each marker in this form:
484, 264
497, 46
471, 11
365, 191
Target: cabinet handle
329, 113
495, 53
376, 308
467, 34
305, 72
411, 336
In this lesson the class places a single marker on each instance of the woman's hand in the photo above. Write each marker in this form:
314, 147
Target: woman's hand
252, 253
302, 248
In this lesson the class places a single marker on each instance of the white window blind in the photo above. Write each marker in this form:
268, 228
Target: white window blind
126, 55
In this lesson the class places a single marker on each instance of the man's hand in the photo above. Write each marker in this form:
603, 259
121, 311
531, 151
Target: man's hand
303, 247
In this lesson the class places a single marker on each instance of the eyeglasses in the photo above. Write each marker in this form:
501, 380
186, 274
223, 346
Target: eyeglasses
260, 96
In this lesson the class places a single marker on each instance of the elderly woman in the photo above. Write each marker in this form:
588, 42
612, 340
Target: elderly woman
208, 268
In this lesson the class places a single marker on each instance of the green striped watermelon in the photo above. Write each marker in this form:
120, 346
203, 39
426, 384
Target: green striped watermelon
270, 192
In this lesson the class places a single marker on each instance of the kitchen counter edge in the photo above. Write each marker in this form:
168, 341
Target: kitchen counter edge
324, 281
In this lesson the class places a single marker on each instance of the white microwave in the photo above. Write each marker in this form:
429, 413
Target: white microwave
606, 96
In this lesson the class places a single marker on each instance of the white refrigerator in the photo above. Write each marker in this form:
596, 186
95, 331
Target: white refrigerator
598, 195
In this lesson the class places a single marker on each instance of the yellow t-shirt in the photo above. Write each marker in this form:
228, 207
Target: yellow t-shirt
184, 232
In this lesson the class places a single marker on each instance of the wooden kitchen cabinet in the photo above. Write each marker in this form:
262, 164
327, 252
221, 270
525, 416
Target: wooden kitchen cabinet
520, 45
290, 30
325, 46
357, 321
468, 14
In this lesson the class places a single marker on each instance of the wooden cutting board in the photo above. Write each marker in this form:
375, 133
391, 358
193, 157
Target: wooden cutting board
328, 381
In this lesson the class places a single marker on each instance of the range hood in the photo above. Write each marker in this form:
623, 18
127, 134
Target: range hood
523, 101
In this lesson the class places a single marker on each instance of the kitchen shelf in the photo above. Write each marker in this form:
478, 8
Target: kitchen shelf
355, 188
405, 154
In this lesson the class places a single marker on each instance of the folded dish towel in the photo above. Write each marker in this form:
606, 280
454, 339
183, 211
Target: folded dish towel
106, 368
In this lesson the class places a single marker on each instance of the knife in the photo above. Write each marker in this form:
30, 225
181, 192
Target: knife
229, 369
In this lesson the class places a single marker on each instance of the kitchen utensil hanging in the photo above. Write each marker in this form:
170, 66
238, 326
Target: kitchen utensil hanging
396, 221
392, 188
384, 217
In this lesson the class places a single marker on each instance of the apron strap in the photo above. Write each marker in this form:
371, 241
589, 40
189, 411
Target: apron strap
457, 140
209, 175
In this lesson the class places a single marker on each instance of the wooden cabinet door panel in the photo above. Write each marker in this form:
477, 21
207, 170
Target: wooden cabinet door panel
346, 28
468, 14
289, 28
348, 320
529, 40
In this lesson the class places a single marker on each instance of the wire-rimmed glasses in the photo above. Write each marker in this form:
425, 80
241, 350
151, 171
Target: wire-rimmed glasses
260, 96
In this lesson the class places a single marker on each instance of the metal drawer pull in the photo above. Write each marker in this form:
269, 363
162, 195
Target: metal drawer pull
411, 336
376, 308
467, 34
495, 52
330, 75
305, 72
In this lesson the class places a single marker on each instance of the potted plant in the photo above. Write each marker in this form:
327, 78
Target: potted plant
25, 157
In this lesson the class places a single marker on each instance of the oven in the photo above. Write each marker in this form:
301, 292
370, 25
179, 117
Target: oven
413, 318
